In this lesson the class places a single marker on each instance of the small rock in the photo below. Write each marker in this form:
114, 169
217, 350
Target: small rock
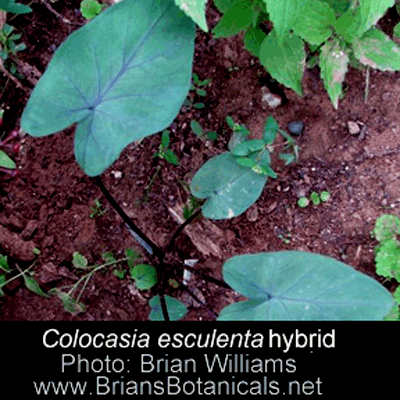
353, 127
296, 128
273, 100
252, 214
116, 174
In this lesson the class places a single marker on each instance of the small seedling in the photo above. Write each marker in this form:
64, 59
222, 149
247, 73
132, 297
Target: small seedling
285, 237
197, 87
255, 153
97, 209
91, 8
70, 295
7, 165
29, 280
387, 254
198, 130
164, 152
315, 198
8, 42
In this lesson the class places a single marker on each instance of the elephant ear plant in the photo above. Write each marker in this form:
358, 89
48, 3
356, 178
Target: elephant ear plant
124, 76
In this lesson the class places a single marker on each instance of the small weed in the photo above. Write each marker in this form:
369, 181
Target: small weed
164, 152
197, 89
91, 8
387, 254
7, 165
70, 295
315, 198
29, 280
97, 209
198, 130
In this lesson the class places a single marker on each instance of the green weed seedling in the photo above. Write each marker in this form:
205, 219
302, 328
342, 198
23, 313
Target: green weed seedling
131, 83
29, 280
91, 8
387, 254
8, 42
70, 295
199, 131
97, 209
164, 152
315, 198
197, 89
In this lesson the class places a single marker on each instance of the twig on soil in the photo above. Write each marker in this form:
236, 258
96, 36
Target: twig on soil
9, 75
58, 15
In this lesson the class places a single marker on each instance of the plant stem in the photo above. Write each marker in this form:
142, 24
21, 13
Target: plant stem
181, 228
156, 250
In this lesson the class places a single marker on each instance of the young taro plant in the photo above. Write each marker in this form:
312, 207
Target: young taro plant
125, 76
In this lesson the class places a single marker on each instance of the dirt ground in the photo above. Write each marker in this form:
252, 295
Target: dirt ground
48, 205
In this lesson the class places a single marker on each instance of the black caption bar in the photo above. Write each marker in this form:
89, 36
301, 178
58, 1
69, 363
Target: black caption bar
209, 359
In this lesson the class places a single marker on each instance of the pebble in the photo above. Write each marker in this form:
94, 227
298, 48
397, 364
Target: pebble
353, 127
273, 100
252, 214
296, 128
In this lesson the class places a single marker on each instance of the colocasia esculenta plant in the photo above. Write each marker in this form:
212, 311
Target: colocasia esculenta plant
125, 76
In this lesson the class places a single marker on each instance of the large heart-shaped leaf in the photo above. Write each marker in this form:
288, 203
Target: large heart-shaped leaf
295, 285
230, 189
121, 77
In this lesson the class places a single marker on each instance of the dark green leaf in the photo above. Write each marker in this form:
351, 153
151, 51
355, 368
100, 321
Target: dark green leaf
253, 39
145, 276
249, 146
295, 285
171, 157
176, 309
196, 128
235, 20
165, 139
14, 8
118, 87
132, 257
285, 62
270, 130
229, 188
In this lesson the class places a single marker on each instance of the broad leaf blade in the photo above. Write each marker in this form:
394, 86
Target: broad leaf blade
286, 61
253, 39
315, 23
356, 21
283, 14
235, 20
176, 309
377, 50
15, 8
333, 63
195, 9
294, 285
6, 161
122, 77
229, 188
